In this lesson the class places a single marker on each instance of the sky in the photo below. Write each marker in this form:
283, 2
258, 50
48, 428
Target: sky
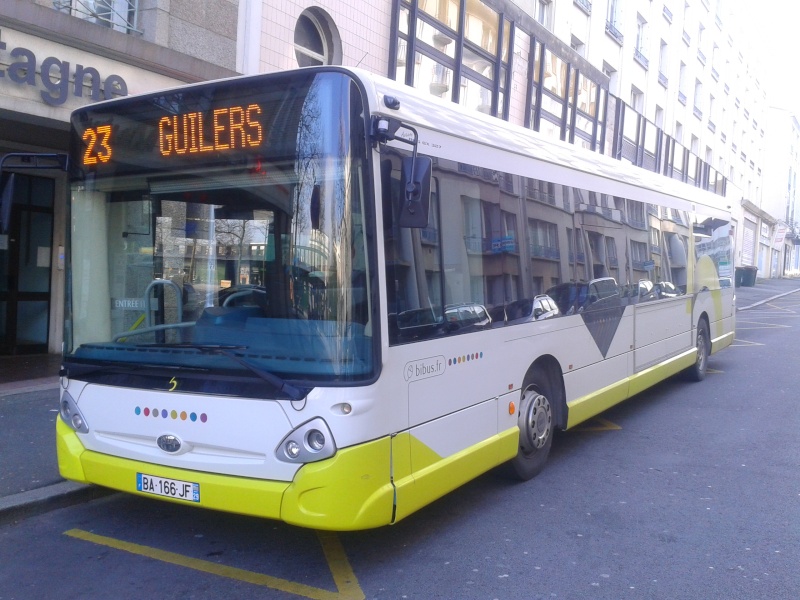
772, 36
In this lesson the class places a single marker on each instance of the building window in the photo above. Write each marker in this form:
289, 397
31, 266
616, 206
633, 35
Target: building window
544, 13
682, 84
637, 99
316, 39
698, 99
119, 15
659, 117
612, 20
578, 46
639, 51
432, 32
613, 77
663, 64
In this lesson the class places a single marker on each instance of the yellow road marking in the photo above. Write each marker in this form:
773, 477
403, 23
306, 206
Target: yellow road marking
602, 425
343, 576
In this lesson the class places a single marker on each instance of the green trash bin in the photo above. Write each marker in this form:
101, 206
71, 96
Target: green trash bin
749, 276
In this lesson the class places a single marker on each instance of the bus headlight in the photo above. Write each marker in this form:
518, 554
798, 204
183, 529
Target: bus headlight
315, 440
71, 415
310, 442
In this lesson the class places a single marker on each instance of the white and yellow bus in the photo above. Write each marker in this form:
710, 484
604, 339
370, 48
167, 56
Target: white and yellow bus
321, 297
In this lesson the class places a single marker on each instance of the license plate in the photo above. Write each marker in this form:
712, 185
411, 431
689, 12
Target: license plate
171, 488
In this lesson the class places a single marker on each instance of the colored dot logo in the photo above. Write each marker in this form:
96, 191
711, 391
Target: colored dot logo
173, 415
457, 360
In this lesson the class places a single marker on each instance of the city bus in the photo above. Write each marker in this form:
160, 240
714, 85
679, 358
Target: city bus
321, 297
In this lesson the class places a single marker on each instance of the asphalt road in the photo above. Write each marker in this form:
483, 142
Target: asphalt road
688, 491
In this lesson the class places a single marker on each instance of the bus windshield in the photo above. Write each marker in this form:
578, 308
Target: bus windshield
220, 227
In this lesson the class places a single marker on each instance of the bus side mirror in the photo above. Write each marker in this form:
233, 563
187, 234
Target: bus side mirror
416, 185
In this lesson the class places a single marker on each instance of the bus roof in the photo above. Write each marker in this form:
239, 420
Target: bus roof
560, 162
555, 161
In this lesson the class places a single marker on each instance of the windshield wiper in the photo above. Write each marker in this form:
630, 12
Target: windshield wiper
281, 384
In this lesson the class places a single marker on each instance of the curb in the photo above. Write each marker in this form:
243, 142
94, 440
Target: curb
39, 501
30, 385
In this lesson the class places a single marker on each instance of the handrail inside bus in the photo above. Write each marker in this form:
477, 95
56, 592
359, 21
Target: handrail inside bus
154, 283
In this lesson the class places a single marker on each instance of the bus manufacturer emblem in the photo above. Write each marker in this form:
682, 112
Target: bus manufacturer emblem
169, 443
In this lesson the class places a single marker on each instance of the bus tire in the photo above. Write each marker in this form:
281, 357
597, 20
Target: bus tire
536, 420
697, 372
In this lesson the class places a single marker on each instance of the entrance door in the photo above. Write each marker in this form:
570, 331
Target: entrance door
25, 251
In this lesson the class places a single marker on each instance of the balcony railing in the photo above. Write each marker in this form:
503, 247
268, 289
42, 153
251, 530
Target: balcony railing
687, 39
641, 58
682, 98
580, 255
614, 32
701, 56
714, 74
712, 127
584, 5
429, 235
697, 112
667, 14
662, 79
119, 15
486, 245
548, 252
636, 222
541, 196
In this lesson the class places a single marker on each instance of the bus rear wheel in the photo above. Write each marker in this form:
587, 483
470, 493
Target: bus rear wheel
536, 423
697, 372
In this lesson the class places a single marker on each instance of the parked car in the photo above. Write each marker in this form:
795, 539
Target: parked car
472, 316
531, 309
667, 289
575, 297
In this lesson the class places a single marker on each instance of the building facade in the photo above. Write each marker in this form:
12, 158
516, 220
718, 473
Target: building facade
780, 198
55, 57
658, 84
662, 85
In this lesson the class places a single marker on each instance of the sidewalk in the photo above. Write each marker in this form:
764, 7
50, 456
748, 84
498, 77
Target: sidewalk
29, 374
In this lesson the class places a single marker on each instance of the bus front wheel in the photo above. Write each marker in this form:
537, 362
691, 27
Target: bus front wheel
536, 423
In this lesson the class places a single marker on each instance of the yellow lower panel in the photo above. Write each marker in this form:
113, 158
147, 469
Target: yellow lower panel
593, 404
218, 492
352, 490
426, 485
69, 450
721, 342
649, 377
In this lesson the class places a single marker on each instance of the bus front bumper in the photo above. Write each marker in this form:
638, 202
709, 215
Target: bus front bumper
349, 491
